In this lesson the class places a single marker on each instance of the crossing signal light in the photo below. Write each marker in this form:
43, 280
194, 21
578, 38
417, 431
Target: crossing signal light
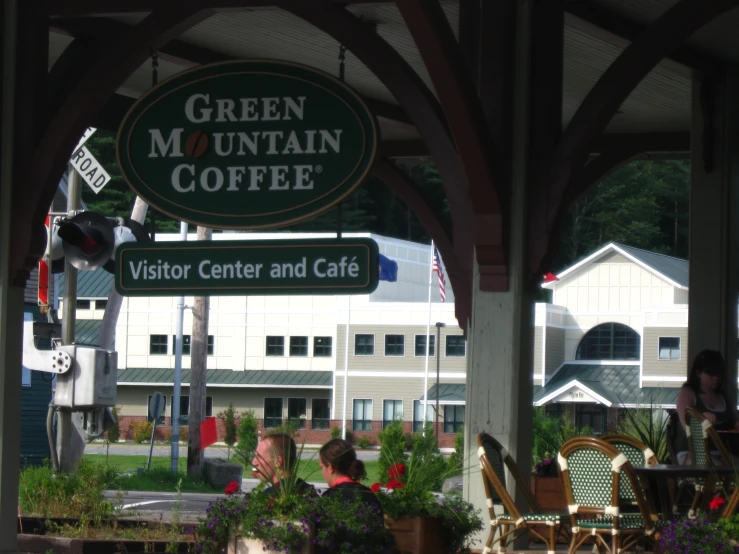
89, 240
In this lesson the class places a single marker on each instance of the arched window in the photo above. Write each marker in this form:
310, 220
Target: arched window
609, 341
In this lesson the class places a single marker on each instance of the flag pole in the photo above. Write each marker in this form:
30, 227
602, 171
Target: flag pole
428, 340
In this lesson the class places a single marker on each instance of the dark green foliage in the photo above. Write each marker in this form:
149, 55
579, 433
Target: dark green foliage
392, 447
550, 433
363, 442
229, 423
248, 438
456, 458
335, 433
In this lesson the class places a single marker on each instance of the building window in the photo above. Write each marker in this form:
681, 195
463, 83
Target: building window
101, 304
669, 348
158, 344
185, 344
297, 412
455, 346
391, 410
609, 341
418, 415
275, 346
453, 418
150, 416
322, 346
590, 415
83, 304
421, 345
272, 413
298, 346
185, 408
364, 345
321, 414
362, 416
211, 345
394, 345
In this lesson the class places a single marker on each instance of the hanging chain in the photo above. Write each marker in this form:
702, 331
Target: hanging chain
154, 68
342, 57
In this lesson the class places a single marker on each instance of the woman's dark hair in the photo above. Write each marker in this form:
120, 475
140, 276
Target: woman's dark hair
341, 455
710, 362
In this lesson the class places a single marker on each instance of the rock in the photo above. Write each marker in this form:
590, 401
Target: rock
453, 484
220, 473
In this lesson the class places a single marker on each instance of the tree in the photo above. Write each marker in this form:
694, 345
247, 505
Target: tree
248, 438
229, 422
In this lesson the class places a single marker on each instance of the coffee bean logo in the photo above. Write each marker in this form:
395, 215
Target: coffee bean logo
197, 144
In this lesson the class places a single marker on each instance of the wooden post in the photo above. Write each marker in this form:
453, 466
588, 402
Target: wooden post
199, 365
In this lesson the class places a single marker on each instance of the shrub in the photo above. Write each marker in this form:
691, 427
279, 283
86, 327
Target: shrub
363, 442
335, 433
184, 433
114, 433
229, 421
456, 458
392, 446
248, 438
550, 433
70, 495
167, 435
141, 431
649, 425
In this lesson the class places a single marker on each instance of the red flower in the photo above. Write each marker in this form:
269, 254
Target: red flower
396, 471
716, 503
394, 485
232, 488
375, 487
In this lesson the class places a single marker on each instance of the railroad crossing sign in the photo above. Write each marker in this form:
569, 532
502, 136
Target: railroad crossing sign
87, 166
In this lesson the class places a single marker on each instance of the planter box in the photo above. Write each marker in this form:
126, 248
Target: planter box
550, 494
416, 535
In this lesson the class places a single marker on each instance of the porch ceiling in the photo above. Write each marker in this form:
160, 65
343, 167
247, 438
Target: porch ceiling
660, 103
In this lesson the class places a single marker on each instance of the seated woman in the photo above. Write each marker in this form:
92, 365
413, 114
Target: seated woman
704, 391
342, 471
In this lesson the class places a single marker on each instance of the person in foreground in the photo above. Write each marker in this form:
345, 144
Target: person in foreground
274, 461
704, 391
342, 471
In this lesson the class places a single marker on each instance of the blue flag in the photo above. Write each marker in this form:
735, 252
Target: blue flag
388, 269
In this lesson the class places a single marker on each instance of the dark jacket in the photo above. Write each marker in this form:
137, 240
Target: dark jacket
300, 486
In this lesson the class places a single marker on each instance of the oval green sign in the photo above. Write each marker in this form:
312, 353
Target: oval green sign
247, 144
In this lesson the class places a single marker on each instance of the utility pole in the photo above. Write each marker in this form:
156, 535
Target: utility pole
198, 361
177, 382
439, 325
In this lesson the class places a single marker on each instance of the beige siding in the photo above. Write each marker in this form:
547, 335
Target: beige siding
407, 362
681, 296
538, 348
612, 284
555, 354
381, 388
652, 366
132, 400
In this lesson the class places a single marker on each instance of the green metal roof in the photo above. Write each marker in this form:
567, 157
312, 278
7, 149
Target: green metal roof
617, 384
230, 378
675, 269
86, 331
90, 284
447, 393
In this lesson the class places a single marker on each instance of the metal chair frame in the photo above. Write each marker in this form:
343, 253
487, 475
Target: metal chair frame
513, 523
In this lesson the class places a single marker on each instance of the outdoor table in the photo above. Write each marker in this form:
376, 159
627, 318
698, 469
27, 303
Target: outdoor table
659, 474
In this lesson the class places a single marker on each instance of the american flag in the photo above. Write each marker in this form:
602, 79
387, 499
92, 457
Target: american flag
439, 270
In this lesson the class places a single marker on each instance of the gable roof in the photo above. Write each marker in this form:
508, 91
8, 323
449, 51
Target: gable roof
668, 268
448, 393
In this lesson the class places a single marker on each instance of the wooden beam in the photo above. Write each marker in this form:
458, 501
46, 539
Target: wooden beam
609, 93
441, 54
647, 143
183, 53
621, 26
403, 149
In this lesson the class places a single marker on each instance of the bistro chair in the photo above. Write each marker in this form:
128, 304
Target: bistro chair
706, 448
639, 455
494, 459
592, 471
684, 485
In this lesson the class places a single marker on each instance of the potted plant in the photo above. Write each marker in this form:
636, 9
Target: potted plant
419, 519
700, 534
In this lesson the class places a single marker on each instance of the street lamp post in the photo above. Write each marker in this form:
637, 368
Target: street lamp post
439, 325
